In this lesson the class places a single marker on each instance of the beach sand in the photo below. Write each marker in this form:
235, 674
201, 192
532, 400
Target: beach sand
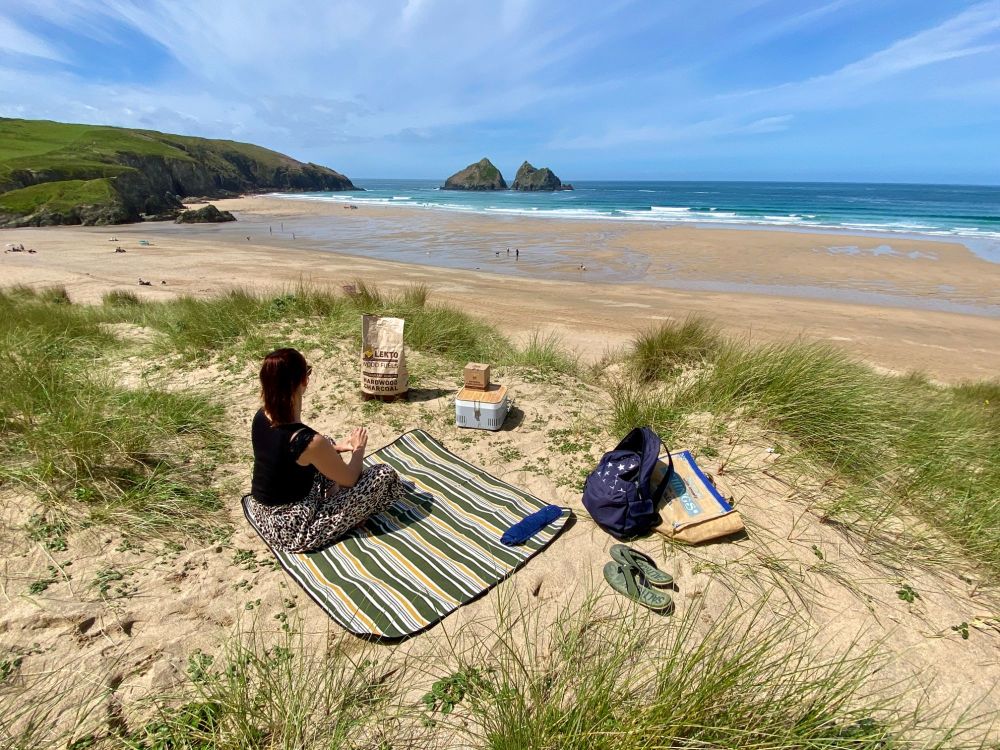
899, 304
122, 647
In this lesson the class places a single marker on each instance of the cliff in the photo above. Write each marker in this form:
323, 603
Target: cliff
58, 173
528, 178
479, 176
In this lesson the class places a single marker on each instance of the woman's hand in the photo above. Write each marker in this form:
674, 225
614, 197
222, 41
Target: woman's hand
358, 439
324, 454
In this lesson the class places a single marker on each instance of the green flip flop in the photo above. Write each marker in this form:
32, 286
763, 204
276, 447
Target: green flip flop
627, 556
629, 581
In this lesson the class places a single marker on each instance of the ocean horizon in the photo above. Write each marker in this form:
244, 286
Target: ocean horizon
969, 214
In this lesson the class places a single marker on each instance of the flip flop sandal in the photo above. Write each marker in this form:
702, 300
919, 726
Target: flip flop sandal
627, 556
629, 581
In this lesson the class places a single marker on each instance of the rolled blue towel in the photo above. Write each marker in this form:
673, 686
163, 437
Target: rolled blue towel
526, 528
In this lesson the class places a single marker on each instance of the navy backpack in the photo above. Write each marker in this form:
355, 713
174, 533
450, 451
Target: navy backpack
618, 494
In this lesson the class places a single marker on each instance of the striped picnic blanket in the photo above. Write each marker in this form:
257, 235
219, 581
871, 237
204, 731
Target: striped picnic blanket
437, 548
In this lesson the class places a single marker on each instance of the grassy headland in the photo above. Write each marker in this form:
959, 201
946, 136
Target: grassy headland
57, 173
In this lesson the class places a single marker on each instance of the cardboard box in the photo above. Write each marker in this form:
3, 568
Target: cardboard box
477, 375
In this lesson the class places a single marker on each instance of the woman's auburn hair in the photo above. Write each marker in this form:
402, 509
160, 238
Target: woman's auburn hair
282, 372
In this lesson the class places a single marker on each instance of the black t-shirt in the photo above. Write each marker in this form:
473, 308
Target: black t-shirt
277, 478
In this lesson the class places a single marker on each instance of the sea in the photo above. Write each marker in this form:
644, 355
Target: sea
967, 214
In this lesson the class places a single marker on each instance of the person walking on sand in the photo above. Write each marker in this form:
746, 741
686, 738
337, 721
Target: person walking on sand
517, 253
303, 494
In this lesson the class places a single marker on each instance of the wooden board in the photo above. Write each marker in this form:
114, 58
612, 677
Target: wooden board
492, 395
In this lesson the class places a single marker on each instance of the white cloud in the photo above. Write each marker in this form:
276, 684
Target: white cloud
971, 32
673, 133
16, 40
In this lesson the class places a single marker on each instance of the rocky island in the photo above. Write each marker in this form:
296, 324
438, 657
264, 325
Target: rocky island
530, 179
58, 173
479, 176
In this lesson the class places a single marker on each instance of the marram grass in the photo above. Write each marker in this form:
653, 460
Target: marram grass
249, 324
892, 442
139, 457
84, 443
601, 676
660, 352
606, 676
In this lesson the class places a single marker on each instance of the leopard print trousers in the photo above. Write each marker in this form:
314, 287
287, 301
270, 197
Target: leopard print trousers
327, 512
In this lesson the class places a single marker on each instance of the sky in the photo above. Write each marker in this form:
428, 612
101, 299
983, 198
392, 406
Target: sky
838, 90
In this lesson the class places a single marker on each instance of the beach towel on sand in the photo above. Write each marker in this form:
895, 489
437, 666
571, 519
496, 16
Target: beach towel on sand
437, 548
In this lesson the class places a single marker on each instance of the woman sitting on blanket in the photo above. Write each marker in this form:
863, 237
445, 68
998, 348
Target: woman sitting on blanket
304, 495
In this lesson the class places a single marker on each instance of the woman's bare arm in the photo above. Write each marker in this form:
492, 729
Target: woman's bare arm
324, 454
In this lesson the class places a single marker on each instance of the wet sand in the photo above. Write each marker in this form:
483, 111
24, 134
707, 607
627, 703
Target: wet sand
902, 304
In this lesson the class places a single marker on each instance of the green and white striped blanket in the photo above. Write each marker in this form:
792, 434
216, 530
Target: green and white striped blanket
434, 550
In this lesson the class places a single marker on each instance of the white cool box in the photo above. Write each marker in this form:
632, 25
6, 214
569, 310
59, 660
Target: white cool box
482, 409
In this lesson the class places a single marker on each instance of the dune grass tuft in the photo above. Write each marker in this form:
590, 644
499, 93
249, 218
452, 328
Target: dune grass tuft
660, 352
546, 353
121, 298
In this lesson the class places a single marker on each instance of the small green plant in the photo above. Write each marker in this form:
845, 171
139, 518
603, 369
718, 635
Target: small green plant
246, 559
50, 532
191, 727
112, 584
509, 452
8, 666
907, 594
962, 629
37, 587
12, 660
445, 694
567, 440
128, 545
199, 666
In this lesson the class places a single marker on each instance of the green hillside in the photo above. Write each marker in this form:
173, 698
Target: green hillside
58, 173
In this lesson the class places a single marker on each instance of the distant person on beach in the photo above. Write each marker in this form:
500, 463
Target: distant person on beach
517, 253
304, 495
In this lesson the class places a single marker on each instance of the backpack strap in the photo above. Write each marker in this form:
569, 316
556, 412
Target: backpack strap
661, 488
